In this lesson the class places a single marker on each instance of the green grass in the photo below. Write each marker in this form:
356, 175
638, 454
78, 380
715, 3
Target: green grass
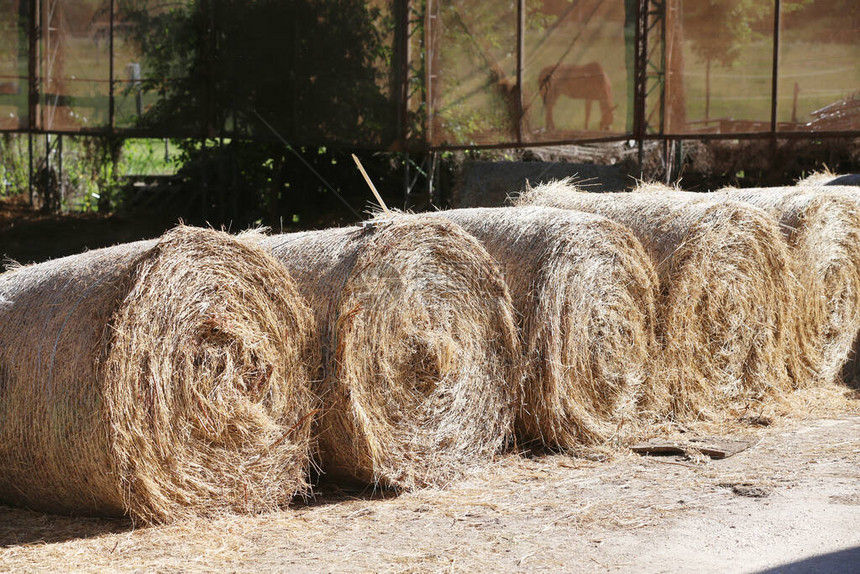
824, 73
147, 157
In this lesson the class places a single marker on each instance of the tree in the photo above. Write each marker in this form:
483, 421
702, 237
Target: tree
315, 69
720, 29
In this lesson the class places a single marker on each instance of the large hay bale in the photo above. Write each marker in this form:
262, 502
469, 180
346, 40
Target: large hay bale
157, 379
803, 350
727, 292
419, 342
823, 232
822, 184
584, 290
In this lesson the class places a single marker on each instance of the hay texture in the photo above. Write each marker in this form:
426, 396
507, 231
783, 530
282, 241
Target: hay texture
419, 341
585, 293
726, 293
829, 178
158, 379
823, 232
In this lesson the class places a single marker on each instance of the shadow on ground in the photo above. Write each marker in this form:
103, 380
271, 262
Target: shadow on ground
20, 527
842, 562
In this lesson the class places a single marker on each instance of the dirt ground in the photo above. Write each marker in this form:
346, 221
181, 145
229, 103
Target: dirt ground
789, 502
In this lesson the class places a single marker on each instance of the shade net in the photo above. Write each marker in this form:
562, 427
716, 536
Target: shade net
819, 67
390, 74
719, 66
14, 65
73, 65
574, 80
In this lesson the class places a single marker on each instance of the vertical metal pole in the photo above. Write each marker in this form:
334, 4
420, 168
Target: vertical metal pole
431, 176
521, 57
212, 46
204, 191
46, 175
400, 87
111, 103
222, 183
60, 165
662, 5
30, 166
429, 49
33, 86
640, 75
775, 74
406, 189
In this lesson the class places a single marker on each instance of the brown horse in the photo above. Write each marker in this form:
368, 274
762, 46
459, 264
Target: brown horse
588, 82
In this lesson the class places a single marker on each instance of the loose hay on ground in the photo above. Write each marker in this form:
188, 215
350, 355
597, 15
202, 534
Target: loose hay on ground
823, 232
158, 379
585, 293
419, 341
727, 293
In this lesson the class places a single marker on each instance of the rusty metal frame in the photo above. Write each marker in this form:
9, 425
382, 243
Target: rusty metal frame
774, 99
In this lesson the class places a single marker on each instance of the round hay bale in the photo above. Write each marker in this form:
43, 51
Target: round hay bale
158, 379
727, 292
823, 232
803, 350
419, 343
585, 293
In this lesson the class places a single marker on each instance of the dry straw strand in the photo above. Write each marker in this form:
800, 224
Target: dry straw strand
157, 379
585, 293
727, 291
417, 328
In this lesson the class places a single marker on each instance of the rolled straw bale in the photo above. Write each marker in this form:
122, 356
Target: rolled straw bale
726, 293
157, 379
585, 293
803, 354
819, 184
823, 232
419, 342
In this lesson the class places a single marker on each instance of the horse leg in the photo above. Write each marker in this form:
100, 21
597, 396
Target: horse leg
587, 112
549, 103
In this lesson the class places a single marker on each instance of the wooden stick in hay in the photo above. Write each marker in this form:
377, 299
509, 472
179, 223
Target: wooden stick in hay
585, 291
727, 293
419, 342
159, 379
822, 229
370, 185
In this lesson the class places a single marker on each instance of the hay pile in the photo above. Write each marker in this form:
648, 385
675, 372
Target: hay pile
158, 379
585, 292
419, 343
823, 231
727, 293
828, 178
